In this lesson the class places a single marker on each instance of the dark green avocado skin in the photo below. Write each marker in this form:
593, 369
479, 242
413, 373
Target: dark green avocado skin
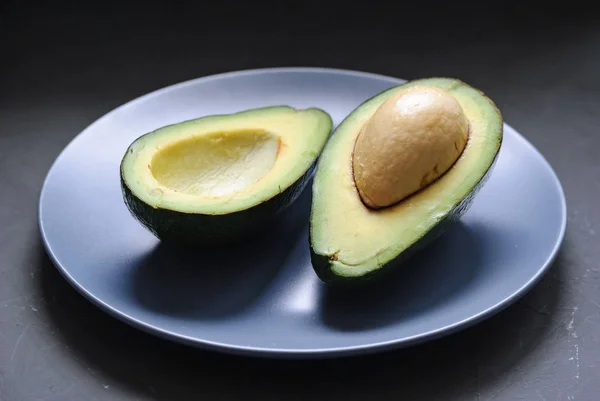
321, 263
193, 230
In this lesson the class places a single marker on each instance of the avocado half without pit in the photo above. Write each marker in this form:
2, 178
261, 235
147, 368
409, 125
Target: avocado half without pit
396, 173
218, 178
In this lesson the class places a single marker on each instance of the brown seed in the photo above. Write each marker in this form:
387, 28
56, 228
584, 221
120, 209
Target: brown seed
412, 139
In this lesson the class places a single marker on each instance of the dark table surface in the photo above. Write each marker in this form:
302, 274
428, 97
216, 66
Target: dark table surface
62, 67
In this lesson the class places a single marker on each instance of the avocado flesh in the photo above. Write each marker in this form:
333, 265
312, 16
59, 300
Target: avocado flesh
215, 178
351, 242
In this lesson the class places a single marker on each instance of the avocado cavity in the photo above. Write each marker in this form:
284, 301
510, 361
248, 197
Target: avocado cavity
216, 164
412, 139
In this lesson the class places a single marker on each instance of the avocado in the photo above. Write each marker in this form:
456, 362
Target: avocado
218, 178
396, 173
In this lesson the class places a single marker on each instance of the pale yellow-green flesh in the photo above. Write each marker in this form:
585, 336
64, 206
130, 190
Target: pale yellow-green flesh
360, 239
225, 163
216, 164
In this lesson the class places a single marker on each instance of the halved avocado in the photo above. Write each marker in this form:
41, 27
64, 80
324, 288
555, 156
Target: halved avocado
218, 178
353, 243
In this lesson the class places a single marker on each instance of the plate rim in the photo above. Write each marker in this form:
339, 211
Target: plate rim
287, 353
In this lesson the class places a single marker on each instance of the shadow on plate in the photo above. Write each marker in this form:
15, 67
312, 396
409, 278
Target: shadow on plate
220, 281
457, 366
430, 277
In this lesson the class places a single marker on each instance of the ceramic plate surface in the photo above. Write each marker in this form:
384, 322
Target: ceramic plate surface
262, 297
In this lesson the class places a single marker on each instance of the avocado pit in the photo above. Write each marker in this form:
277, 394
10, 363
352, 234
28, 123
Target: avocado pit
412, 139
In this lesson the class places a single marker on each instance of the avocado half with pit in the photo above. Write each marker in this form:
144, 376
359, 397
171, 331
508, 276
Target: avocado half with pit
220, 177
396, 173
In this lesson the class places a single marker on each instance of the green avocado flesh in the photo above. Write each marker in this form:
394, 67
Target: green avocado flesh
219, 177
351, 243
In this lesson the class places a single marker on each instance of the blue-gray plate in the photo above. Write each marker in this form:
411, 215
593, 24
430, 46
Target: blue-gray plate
262, 297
